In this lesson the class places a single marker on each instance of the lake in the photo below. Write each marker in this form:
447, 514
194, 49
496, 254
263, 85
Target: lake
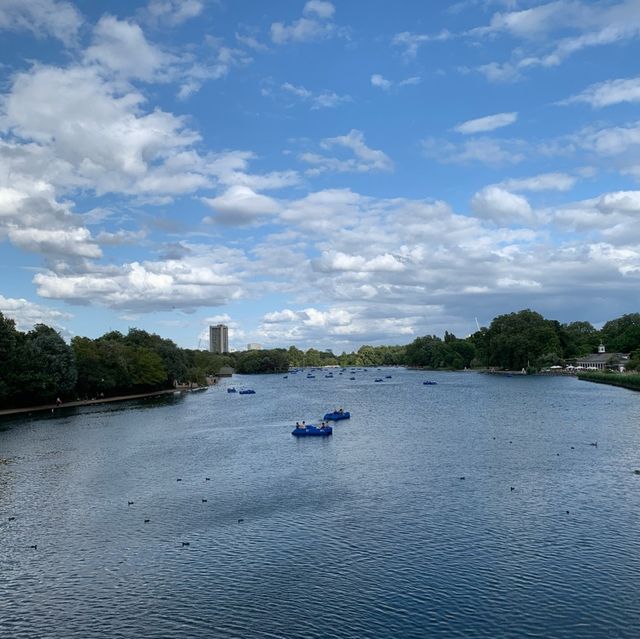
476, 507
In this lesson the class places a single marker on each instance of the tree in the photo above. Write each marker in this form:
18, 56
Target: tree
581, 338
518, 340
48, 367
9, 339
267, 361
622, 334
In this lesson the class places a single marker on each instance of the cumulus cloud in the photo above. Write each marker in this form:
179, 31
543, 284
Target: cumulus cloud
208, 277
331, 326
240, 205
27, 314
38, 223
114, 145
364, 158
380, 81
172, 12
60, 20
501, 206
122, 47
486, 123
315, 24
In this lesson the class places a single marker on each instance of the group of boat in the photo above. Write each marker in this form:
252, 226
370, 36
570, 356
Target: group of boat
244, 391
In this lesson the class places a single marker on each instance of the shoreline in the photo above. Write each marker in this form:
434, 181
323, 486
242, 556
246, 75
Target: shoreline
89, 402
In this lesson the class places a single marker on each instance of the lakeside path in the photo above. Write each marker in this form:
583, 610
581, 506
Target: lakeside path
87, 402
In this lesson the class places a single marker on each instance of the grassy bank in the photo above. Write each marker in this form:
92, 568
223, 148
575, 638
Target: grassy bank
630, 381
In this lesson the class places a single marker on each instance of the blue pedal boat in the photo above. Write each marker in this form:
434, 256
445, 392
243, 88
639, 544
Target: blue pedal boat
336, 416
247, 391
312, 431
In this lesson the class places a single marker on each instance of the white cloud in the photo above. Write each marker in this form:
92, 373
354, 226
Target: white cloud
173, 12
207, 277
26, 314
321, 8
365, 159
113, 145
620, 201
121, 47
487, 123
496, 72
482, 150
316, 24
542, 182
251, 42
240, 205
337, 261
413, 80
36, 222
610, 141
607, 93
544, 31
411, 42
380, 81
535, 21
322, 100
501, 206
60, 20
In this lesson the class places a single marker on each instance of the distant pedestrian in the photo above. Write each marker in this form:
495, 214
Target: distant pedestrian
58, 401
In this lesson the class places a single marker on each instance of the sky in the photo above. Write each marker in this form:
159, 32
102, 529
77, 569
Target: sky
325, 174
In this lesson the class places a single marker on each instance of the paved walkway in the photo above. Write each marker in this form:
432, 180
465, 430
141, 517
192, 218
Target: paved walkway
87, 402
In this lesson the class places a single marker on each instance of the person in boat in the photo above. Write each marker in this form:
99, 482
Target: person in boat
341, 411
297, 424
303, 425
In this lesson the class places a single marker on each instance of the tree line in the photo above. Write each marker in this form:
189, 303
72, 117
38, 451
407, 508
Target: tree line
39, 366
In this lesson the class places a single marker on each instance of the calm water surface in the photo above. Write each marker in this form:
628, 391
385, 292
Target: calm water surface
369, 533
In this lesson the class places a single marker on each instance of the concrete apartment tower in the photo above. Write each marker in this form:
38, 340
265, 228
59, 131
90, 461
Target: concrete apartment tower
219, 339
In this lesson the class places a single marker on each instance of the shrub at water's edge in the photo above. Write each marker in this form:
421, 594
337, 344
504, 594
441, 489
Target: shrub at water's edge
625, 380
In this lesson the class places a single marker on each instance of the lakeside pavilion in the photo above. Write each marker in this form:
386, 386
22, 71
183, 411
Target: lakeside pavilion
603, 360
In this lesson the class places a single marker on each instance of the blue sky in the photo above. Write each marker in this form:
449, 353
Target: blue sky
328, 174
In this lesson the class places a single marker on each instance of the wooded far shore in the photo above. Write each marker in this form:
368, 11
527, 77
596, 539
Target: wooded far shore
39, 366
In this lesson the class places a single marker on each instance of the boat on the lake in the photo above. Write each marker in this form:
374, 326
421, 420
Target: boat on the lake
429, 382
247, 391
337, 415
312, 431
231, 390
378, 379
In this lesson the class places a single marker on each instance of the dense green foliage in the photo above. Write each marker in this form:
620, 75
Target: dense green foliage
266, 361
36, 366
39, 366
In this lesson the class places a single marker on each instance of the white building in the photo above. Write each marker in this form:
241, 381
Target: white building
603, 360
254, 347
219, 338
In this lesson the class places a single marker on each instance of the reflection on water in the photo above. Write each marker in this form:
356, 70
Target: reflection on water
474, 508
